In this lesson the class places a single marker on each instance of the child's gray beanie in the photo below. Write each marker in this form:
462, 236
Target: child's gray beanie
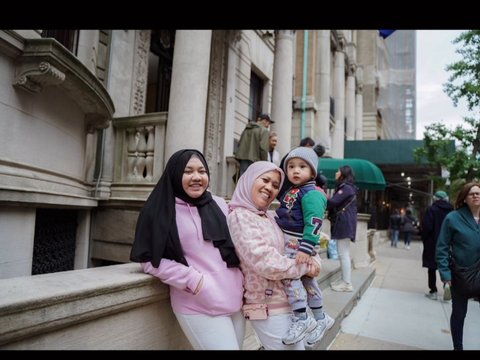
306, 154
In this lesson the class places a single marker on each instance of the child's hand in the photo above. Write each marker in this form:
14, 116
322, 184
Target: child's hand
303, 258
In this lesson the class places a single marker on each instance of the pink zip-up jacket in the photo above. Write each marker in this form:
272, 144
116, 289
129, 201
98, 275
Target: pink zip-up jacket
222, 289
260, 246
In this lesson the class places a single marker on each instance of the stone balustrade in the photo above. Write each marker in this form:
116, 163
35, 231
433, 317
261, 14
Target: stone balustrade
139, 158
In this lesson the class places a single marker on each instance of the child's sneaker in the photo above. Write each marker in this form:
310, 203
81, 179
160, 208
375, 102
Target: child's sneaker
447, 293
322, 326
432, 296
299, 329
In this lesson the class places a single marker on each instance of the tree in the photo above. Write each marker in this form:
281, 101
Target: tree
464, 83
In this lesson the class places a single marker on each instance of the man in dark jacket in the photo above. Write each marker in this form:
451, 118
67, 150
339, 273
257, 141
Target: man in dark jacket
254, 142
432, 222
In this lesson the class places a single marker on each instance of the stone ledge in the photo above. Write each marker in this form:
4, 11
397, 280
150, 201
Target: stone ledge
34, 305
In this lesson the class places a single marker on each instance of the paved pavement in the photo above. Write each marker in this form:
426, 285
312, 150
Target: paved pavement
394, 313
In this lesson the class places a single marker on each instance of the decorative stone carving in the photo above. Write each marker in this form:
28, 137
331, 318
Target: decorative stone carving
36, 76
214, 126
233, 37
140, 72
44, 62
351, 69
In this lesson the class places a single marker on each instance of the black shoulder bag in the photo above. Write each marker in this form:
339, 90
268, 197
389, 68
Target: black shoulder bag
333, 218
466, 280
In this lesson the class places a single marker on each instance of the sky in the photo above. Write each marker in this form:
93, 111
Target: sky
434, 52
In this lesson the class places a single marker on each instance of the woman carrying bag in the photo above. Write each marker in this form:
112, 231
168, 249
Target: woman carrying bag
343, 209
459, 246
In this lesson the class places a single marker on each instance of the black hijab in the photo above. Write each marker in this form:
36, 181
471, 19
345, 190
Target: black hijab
156, 235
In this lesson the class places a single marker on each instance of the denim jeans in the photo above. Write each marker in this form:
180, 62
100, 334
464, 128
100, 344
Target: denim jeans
395, 234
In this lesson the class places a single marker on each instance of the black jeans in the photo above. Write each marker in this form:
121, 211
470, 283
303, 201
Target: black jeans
459, 311
244, 164
432, 280
407, 238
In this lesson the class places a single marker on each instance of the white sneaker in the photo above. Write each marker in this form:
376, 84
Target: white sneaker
322, 326
342, 286
299, 329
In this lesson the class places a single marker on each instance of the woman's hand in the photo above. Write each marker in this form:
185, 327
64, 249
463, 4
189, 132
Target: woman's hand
199, 287
313, 269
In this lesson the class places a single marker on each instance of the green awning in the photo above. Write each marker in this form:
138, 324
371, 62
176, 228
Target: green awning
367, 174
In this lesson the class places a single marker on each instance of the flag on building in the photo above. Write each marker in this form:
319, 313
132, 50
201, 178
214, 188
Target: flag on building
385, 33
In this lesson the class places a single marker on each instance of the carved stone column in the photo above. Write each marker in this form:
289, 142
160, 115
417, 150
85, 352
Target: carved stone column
214, 129
188, 92
339, 96
359, 105
350, 103
282, 92
140, 72
322, 130
226, 170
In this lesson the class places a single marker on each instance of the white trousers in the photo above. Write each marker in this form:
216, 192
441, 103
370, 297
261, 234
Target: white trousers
213, 332
343, 247
271, 331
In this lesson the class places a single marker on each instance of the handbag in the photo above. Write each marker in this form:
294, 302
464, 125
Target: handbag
466, 279
255, 311
258, 311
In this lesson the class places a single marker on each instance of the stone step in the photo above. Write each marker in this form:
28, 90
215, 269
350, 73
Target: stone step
339, 304
336, 304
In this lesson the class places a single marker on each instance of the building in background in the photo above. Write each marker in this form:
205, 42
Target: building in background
89, 117
397, 85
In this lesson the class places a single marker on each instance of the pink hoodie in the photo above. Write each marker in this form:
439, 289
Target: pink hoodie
222, 290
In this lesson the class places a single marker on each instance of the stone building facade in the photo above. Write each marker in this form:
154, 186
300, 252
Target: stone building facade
88, 119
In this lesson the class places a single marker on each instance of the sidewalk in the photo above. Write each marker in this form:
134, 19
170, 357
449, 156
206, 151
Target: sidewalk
394, 314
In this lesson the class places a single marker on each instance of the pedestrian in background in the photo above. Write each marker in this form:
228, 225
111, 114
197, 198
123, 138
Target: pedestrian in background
253, 144
273, 155
431, 224
459, 239
342, 208
409, 223
395, 224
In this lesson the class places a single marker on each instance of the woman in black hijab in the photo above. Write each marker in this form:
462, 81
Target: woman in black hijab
183, 239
